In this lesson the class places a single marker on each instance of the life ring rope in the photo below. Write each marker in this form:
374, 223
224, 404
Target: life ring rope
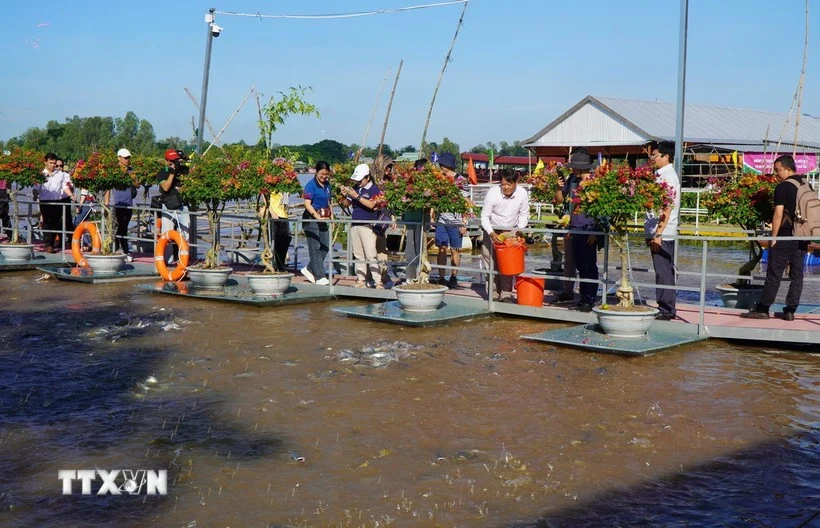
76, 242
178, 272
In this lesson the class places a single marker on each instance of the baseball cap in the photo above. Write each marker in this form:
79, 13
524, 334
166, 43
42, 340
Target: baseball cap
447, 160
360, 172
124, 153
173, 155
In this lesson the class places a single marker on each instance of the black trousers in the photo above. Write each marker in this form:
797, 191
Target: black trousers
791, 253
4, 211
281, 243
586, 262
52, 221
664, 263
123, 216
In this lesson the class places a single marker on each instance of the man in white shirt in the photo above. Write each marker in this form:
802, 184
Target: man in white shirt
506, 207
660, 231
52, 194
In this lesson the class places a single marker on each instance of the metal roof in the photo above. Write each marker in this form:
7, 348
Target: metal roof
613, 121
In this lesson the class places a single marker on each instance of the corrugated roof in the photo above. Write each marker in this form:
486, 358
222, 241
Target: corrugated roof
655, 120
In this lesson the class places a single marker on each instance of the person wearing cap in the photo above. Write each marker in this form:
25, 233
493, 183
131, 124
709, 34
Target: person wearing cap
362, 197
174, 213
123, 200
317, 195
580, 249
450, 227
506, 208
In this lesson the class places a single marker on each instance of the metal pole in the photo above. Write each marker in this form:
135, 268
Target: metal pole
684, 28
209, 19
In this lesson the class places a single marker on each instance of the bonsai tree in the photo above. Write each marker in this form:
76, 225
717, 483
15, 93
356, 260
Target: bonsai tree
745, 200
422, 190
101, 173
544, 181
20, 168
272, 176
145, 168
613, 195
216, 178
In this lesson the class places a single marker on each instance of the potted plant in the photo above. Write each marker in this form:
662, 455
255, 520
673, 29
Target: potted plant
745, 200
271, 176
20, 169
99, 173
420, 190
613, 195
216, 178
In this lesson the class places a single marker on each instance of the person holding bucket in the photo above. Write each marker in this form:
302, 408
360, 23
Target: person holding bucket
507, 208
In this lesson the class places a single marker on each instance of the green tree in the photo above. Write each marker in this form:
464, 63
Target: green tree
276, 111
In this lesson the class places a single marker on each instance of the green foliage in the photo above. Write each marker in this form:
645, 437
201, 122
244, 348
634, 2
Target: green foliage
145, 168
277, 110
340, 175
544, 181
412, 190
101, 172
746, 200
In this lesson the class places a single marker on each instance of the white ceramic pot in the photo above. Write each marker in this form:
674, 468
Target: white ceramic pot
246, 255
104, 264
744, 298
209, 278
269, 284
16, 252
625, 324
427, 300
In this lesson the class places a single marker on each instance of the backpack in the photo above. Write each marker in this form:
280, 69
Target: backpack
806, 217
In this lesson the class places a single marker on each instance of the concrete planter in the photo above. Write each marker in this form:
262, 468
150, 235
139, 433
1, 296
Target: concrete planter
209, 278
104, 264
420, 300
625, 324
16, 252
269, 285
744, 297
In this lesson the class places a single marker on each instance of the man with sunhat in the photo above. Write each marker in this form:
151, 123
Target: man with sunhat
580, 250
450, 227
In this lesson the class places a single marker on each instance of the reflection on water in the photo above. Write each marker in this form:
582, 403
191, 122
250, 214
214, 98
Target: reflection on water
297, 416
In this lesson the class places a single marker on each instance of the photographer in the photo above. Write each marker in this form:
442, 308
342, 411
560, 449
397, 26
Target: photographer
174, 213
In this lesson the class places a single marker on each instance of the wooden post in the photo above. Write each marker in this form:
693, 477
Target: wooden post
372, 114
389, 106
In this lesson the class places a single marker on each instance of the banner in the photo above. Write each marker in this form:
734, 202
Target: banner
760, 163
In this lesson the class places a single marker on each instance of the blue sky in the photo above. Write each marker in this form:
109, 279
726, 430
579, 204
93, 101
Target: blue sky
517, 64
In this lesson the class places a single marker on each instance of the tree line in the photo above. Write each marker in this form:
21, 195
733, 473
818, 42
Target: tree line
77, 136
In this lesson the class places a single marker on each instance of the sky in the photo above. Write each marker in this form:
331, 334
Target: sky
517, 64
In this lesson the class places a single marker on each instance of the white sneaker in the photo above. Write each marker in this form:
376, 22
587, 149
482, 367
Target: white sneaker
323, 282
308, 275
129, 258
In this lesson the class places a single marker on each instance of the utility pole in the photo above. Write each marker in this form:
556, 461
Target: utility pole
209, 38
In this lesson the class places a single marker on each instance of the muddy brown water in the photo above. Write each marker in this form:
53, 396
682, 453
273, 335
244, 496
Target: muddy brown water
297, 416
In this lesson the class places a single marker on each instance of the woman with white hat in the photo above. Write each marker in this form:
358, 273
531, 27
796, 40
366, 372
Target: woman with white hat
363, 200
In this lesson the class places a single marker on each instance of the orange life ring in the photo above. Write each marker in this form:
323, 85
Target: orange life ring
159, 256
76, 242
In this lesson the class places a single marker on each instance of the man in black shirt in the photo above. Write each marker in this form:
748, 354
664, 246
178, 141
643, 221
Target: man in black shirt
174, 213
783, 253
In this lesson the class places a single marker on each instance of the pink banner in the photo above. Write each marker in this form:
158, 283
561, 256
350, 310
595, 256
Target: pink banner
759, 162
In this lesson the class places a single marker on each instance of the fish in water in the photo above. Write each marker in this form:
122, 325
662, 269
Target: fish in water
377, 355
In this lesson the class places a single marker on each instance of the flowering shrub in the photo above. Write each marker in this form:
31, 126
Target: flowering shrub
99, 173
418, 190
340, 175
145, 168
214, 180
544, 181
746, 200
272, 176
613, 195
23, 168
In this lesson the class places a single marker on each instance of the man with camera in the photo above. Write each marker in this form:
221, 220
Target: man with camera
174, 214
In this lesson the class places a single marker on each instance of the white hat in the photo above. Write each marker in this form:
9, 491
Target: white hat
360, 172
123, 153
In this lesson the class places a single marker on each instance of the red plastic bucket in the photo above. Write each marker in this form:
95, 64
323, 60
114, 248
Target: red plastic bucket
530, 291
510, 258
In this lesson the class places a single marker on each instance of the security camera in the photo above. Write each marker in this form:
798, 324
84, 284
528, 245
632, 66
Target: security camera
215, 30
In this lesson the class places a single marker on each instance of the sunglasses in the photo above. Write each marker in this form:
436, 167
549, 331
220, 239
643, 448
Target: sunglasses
59, 166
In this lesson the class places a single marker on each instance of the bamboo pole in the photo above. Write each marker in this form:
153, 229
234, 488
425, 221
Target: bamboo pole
440, 77
245, 100
801, 82
389, 107
207, 121
372, 114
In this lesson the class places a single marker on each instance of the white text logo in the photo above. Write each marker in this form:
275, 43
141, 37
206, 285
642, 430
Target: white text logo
116, 481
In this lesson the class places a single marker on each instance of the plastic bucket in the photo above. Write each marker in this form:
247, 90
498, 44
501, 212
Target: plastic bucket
530, 291
510, 259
